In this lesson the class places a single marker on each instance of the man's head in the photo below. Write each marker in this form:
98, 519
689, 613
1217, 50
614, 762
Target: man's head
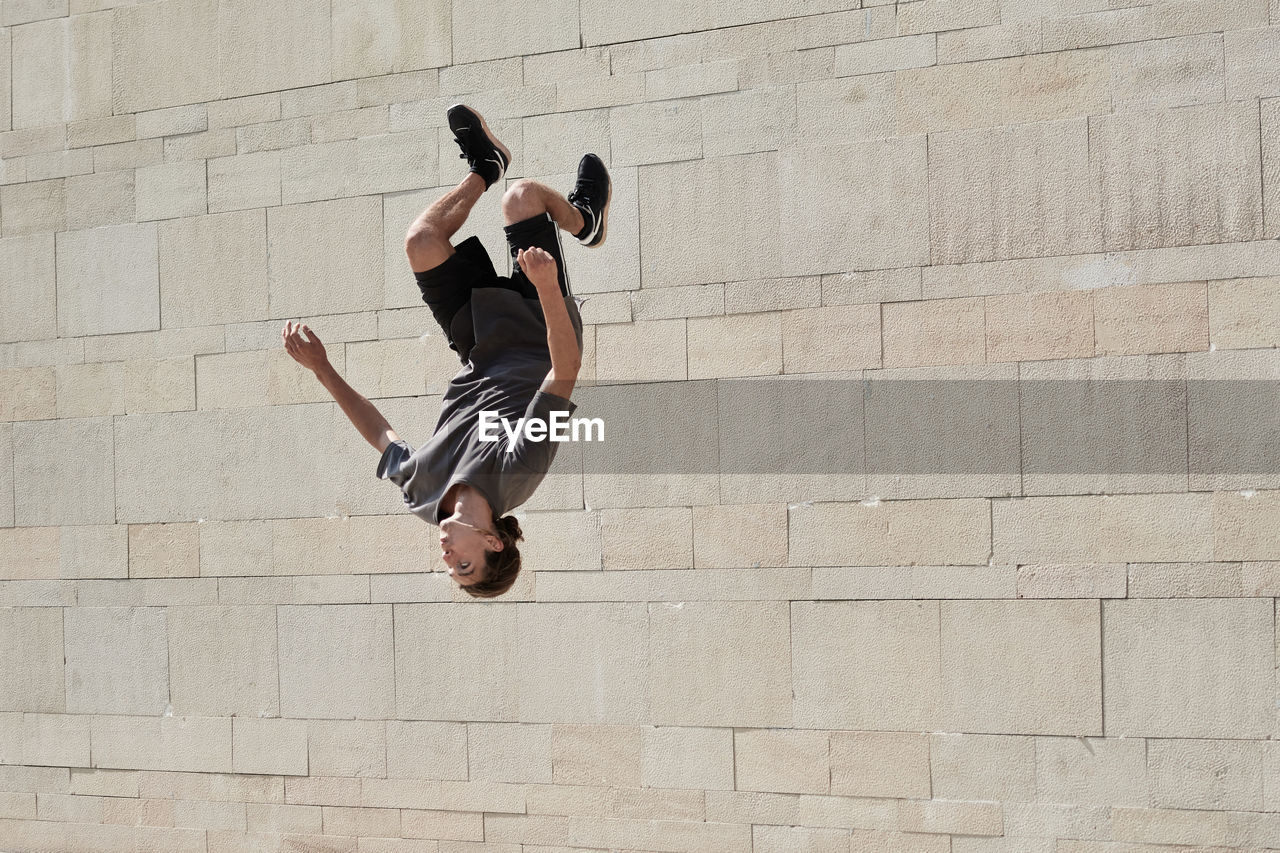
484, 562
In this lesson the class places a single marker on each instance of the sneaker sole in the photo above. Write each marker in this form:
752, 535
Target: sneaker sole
493, 139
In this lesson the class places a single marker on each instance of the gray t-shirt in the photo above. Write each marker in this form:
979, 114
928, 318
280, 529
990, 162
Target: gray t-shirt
503, 375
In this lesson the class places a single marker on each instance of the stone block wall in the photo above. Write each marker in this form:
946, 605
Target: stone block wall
219, 633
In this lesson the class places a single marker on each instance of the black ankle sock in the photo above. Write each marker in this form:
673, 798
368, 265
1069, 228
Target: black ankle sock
588, 222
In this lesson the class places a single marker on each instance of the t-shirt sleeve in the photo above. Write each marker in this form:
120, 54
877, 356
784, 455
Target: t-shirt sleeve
396, 463
538, 455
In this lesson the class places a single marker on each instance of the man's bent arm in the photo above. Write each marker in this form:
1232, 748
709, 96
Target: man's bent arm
363, 415
562, 341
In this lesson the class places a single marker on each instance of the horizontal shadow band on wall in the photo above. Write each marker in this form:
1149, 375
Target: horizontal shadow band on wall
928, 427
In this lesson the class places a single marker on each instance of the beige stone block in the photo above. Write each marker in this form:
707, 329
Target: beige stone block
890, 533
548, 28
658, 538
63, 488
711, 241
1011, 37
880, 764
866, 665
350, 545
335, 242
252, 60
1033, 326
387, 162
30, 553
165, 54
25, 11
257, 378
189, 744
982, 767
1073, 580
1244, 313
53, 739
53, 164
312, 100
958, 817
1250, 70
273, 135
687, 757
1044, 657
222, 661
596, 755
27, 289
389, 36
408, 367
105, 198
33, 207
1269, 116
199, 146
426, 750
61, 70
772, 294
1120, 528
1092, 771
891, 54
437, 678
699, 674
739, 535
171, 190
664, 303
796, 839
509, 752
583, 663
349, 124
269, 746
164, 551
6, 475
117, 660
1159, 170
244, 181
934, 332
235, 548
108, 280
689, 81
842, 337
346, 748
94, 551
869, 111
740, 584
31, 650
1019, 89
749, 121
1188, 668
100, 131
1151, 319
987, 186
336, 661
661, 132
1207, 774
887, 216
126, 387
605, 22
734, 345
1166, 73
783, 761
661, 341
130, 155
189, 118
1245, 524
30, 394
612, 308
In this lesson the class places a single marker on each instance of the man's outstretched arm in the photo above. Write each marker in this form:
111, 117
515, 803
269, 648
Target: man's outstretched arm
309, 352
566, 358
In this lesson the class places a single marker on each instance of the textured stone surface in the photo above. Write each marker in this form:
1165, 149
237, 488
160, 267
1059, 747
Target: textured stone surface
1188, 668
32, 652
323, 257
223, 661
165, 54
64, 487
213, 268
27, 289
336, 661
117, 660
61, 70
108, 280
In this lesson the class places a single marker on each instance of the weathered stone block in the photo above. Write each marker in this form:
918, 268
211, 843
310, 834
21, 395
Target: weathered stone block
165, 54
30, 394
739, 535
426, 750
596, 755
273, 747
222, 661
171, 190
1033, 326
252, 58
103, 198
734, 345
33, 207
934, 332
1151, 319
244, 181
1045, 655
1250, 70
834, 338
336, 661
31, 651
662, 341
188, 744
890, 533
699, 674
27, 290
687, 757
525, 30
108, 280
1159, 170
1244, 313
1188, 668
325, 257
347, 748
1207, 774
867, 665
117, 660
1165, 73
661, 132
62, 70
796, 762
436, 676
1093, 771
64, 487
982, 767
213, 269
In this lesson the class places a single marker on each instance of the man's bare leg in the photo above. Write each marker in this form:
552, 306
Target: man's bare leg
526, 198
427, 241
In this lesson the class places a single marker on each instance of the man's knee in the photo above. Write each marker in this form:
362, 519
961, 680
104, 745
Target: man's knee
425, 247
523, 199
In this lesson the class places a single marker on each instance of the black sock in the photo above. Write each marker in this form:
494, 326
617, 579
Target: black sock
588, 222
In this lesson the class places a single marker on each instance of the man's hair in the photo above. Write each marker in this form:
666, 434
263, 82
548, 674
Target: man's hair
501, 567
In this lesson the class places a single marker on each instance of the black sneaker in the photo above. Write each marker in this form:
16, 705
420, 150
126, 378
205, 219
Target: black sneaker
591, 195
487, 156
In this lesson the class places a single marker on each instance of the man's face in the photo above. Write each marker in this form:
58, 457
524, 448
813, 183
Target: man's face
462, 548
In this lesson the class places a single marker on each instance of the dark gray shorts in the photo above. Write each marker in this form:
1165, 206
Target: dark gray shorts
446, 288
